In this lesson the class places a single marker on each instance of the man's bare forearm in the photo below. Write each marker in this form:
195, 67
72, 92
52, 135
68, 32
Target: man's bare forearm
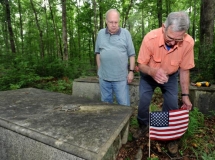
184, 81
98, 60
132, 62
145, 69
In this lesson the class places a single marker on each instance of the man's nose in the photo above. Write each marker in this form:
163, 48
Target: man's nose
114, 24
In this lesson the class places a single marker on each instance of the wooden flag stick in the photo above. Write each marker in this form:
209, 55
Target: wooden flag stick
149, 134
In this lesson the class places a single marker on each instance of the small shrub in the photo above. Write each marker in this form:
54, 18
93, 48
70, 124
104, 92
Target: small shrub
206, 156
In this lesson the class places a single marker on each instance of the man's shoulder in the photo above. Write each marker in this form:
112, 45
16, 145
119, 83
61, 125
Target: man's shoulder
102, 30
101, 33
153, 36
124, 30
188, 38
154, 33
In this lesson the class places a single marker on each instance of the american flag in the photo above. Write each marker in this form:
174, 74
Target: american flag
168, 125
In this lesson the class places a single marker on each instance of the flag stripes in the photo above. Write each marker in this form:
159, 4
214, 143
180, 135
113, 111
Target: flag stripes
168, 125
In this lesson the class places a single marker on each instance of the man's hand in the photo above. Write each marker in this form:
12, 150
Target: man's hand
186, 103
130, 77
160, 76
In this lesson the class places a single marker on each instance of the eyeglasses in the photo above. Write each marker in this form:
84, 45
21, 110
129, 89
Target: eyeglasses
170, 39
112, 22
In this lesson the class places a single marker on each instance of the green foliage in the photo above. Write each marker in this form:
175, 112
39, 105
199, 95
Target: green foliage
130, 137
15, 78
139, 17
51, 84
196, 121
206, 65
195, 137
206, 156
155, 98
48, 73
49, 66
79, 68
212, 113
157, 90
134, 122
153, 108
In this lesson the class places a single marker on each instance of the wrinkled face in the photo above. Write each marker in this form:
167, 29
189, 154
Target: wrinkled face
112, 22
171, 37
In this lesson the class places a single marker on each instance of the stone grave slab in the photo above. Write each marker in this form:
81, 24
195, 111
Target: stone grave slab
40, 125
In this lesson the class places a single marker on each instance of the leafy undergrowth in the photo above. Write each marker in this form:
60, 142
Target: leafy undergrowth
198, 143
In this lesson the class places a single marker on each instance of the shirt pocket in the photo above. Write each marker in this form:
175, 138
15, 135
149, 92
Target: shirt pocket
155, 61
175, 63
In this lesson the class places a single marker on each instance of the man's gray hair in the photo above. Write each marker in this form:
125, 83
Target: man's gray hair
179, 21
111, 10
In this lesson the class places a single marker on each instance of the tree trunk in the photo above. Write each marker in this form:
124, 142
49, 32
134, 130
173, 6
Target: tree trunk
59, 51
39, 29
206, 27
21, 26
159, 8
10, 29
4, 31
64, 28
78, 33
95, 27
168, 10
127, 13
194, 20
101, 25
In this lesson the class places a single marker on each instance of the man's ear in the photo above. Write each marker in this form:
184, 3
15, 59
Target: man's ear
163, 28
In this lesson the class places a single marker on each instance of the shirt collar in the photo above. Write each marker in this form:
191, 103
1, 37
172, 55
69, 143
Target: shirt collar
117, 33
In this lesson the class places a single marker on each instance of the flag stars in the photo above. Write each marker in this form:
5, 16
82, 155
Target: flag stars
159, 119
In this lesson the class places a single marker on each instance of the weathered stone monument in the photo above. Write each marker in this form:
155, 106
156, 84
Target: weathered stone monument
89, 87
41, 125
203, 98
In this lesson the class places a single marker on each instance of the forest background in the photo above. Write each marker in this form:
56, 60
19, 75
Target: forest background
46, 42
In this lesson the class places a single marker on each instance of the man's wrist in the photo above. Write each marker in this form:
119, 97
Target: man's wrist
184, 94
131, 70
151, 71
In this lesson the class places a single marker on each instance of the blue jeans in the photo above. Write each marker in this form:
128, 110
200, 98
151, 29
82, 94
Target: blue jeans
118, 88
146, 90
